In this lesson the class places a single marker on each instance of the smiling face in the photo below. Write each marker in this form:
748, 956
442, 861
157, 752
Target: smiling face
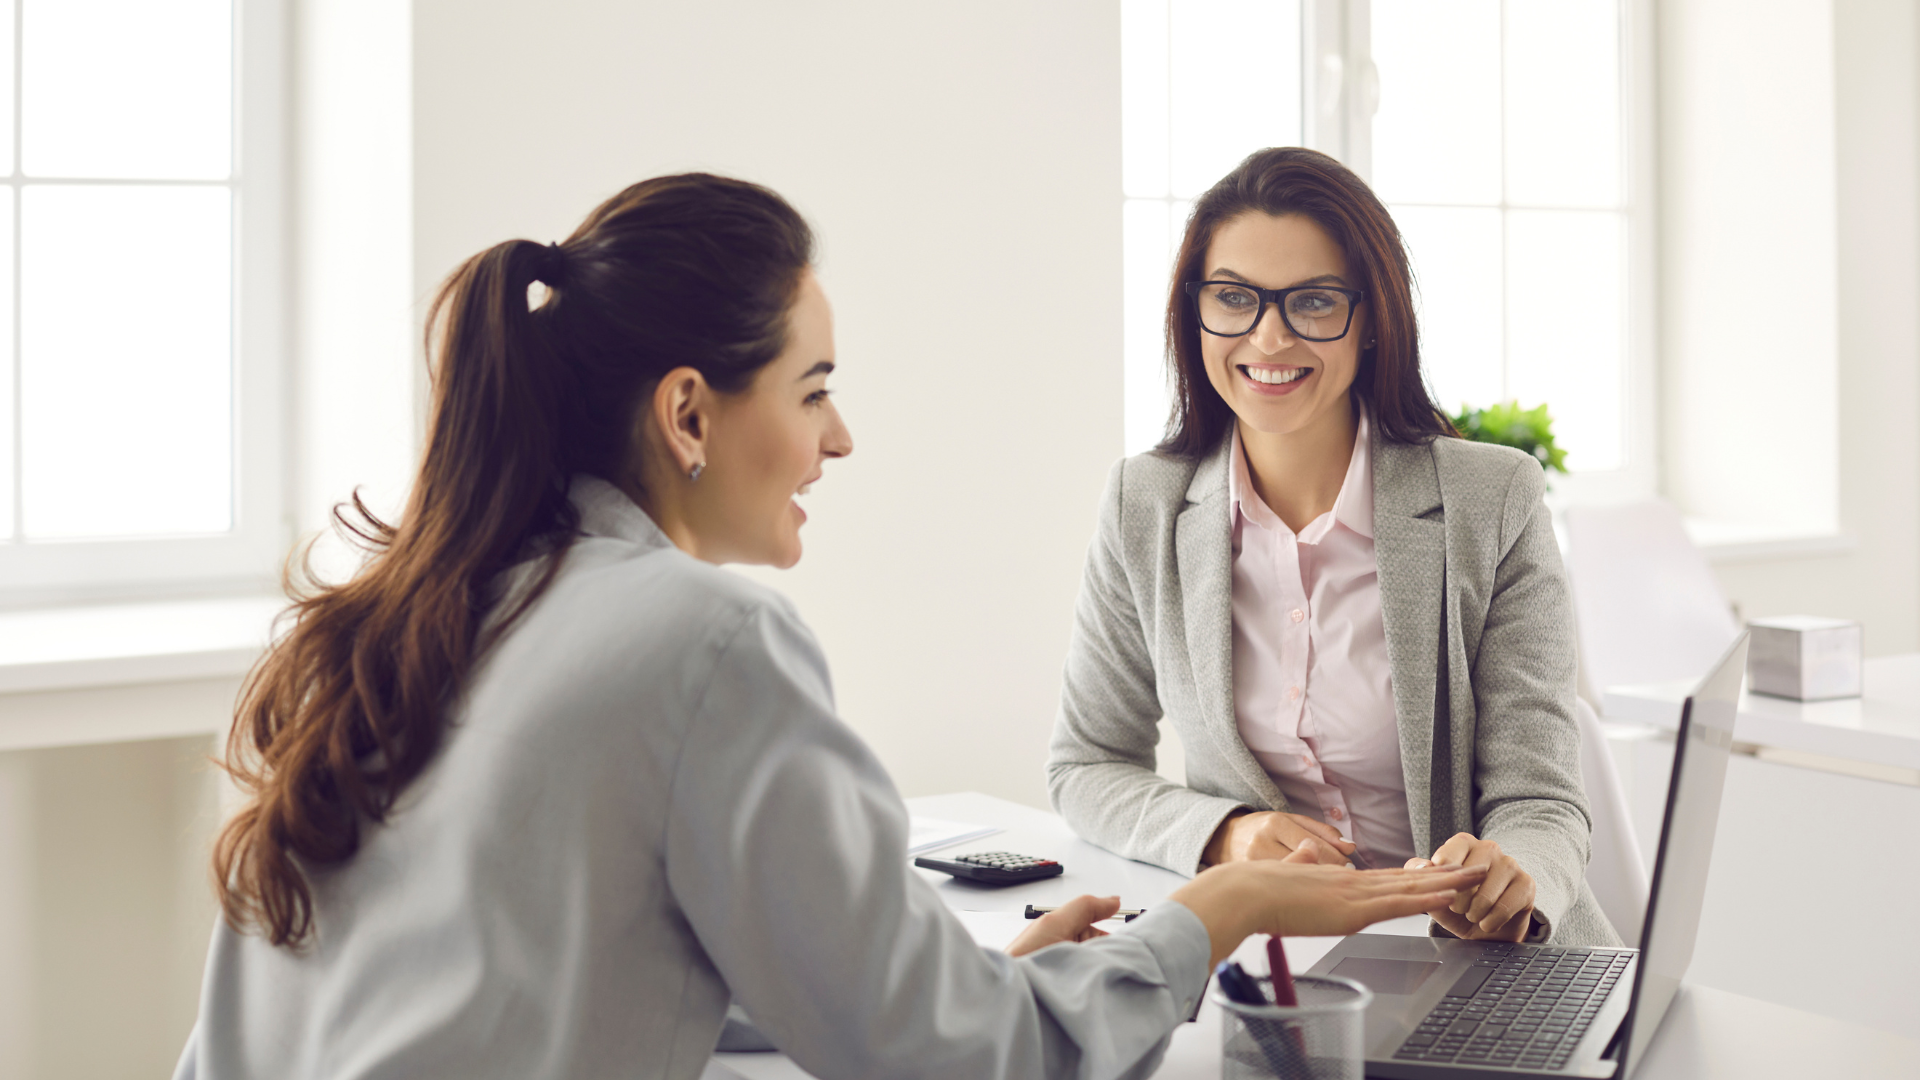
1275, 382
768, 444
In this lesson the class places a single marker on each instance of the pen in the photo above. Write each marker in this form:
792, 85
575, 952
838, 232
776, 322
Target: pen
1238, 985
1128, 914
1283, 992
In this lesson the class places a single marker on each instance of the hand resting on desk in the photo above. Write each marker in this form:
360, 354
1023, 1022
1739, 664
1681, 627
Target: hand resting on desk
1501, 909
1071, 921
1274, 834
1297, 895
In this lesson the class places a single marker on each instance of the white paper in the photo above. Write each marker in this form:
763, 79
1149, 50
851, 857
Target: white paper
993, 929
928, 834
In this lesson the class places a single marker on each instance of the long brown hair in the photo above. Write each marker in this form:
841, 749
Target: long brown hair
352, 702
1291, 180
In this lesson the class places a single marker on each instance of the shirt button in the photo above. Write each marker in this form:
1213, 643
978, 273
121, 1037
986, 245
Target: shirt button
1337, 814
1297, 615
1293, 693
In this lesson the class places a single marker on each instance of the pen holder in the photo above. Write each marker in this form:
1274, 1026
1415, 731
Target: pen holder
1323, 1038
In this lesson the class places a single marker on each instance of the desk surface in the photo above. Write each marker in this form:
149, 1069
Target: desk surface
1881, 727
1708, 1034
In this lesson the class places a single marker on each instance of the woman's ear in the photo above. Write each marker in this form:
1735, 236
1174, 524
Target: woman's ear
682, 403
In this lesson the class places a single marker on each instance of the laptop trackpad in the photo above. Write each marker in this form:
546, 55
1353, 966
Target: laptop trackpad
1386, 976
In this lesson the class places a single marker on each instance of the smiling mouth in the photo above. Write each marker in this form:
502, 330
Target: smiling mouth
1275, 376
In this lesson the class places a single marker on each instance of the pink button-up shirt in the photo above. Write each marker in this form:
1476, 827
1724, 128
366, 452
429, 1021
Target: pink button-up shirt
1312, 689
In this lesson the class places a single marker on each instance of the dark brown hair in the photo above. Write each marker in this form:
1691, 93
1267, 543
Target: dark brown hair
352, 702
1290, 180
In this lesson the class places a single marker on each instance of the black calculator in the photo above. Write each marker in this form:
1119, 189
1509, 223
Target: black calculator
994, 867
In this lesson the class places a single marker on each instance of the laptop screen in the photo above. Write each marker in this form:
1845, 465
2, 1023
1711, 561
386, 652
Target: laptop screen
1701, 749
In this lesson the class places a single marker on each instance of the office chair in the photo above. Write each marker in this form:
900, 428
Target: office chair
1647, 604
1615, 870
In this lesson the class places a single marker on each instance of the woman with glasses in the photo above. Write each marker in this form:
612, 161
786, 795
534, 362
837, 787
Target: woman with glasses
1356, 621
541, 790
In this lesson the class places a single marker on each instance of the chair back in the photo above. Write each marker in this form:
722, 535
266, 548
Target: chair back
1615, 870
1648, 606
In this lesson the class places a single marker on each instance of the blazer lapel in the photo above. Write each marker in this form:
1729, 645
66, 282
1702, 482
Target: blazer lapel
1410, 549
1203, 549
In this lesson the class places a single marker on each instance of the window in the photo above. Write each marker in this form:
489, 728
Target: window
139, 300
1499, 144
1501, 135
1202, 85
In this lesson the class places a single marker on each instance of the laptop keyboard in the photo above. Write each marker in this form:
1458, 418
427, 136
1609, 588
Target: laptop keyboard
1526, 1009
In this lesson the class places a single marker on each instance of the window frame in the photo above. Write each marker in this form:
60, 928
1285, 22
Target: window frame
248, 556
1341, 91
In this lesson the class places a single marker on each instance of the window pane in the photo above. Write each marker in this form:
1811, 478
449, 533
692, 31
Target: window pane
1566, 327
6, 89
1147, 260
1436, 138
1458, 297
6, 368
1235, 70
126, 361
1143, 98
1563, 103
127, 88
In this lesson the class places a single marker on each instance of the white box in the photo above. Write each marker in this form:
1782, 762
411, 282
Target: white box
1804, 657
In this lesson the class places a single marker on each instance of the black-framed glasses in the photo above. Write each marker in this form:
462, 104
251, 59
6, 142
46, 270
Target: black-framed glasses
1312, 312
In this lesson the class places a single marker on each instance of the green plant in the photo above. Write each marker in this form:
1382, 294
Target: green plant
1507, 424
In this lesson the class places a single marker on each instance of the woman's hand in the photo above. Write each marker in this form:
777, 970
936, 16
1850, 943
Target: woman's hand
1501, 909
1071, 921
1301, 896
1271, 834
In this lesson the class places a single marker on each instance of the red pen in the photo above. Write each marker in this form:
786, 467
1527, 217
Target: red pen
1283, 992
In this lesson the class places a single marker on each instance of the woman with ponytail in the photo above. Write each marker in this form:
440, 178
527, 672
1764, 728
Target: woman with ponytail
541, 790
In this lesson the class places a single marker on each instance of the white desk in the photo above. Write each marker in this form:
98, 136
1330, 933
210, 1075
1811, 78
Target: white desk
1708, 1034
1879, 732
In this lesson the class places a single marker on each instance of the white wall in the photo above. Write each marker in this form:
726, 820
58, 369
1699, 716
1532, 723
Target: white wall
1875, 124
961, 164
1747, 298
104, 906
353, 419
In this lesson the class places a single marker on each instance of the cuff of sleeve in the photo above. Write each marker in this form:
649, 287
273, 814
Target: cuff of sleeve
1207, 820
1181, 945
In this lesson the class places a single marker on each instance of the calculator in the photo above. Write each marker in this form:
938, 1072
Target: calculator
994, 867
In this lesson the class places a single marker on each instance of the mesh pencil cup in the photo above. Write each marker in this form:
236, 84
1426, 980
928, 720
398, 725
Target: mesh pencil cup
1323, 1038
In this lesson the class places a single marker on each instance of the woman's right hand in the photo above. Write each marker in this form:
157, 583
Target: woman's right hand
1273, 834
1298, 896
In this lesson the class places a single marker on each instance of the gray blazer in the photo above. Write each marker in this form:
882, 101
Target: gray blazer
1480, 640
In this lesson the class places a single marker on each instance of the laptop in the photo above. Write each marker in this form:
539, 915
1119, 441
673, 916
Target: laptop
1451, 1010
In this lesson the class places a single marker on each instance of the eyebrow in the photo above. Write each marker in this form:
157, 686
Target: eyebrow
1320, 279
824, 367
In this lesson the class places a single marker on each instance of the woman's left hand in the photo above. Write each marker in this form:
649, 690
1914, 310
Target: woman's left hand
1501, 909
1071, 921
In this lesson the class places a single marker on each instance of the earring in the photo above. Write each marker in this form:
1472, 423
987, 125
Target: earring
693, 474
1371, 342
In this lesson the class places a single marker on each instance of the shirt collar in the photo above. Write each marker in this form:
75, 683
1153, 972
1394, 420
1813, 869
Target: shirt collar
605, 510
1353, 507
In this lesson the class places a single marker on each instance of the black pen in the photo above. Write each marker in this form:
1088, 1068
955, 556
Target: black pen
1128, 914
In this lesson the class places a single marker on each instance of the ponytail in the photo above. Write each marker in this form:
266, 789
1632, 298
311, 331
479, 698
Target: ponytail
350, 705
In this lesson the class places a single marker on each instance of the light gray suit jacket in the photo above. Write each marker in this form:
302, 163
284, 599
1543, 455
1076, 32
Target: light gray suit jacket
1480, 640
646, 806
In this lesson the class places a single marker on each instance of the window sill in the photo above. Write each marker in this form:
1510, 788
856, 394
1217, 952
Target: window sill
76, 648
1737, 542
126, 672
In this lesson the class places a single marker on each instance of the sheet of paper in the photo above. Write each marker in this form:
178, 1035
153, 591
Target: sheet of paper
931, 834
993, 929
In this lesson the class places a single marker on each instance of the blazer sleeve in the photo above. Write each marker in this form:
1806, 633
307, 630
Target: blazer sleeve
786, 852
1100, 766
1529, 796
